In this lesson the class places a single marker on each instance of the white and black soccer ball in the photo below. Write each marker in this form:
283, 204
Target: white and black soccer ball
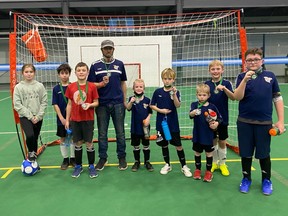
29, 168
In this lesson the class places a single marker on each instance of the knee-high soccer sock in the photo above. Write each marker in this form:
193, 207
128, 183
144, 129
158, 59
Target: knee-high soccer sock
209, 163
91, 155
198, 162
265, 165
246, 167
136, 153
165, 153
222, 153
146, 152
78, 155
215, 154
181, 156
64, 150
72, 150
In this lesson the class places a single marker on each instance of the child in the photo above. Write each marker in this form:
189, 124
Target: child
82, 99
256, 89
165, 102
59, 102
140, 124
220, 91
30, 101
206, 118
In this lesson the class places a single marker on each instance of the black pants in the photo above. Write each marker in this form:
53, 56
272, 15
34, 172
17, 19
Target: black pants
32, 132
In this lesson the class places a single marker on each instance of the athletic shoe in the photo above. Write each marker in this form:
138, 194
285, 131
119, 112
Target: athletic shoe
215, 166
65, 164
267, 187
135, 166
149, 166
72, 162
101, 163
186, 171
32, 156
208, 176
197, 174
92, 171
77, 171
245, 185
224, 170
122, 164
165, 169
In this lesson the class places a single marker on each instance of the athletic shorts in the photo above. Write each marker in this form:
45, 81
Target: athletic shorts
135, 140
197, 147
175, 141
222, 132
83, 130
61, 131
254, 137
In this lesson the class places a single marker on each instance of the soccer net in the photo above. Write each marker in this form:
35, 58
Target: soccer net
186, 42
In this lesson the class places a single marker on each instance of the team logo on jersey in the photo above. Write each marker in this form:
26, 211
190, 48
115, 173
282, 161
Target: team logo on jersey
116, 67
267, 79
145, 105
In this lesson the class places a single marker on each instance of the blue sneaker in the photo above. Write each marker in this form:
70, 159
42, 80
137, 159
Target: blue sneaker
92, 171
245, 185
77, 171
267, 187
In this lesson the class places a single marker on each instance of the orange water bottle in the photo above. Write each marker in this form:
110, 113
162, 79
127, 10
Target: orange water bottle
274, 131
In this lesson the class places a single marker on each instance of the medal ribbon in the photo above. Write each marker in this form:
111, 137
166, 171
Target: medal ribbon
218, 84
80, 91
62, 91
200, 104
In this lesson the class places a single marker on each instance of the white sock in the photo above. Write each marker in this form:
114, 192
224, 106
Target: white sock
64, 151
222, 155
215, 154
72, 150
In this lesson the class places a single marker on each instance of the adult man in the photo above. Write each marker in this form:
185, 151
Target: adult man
109, 76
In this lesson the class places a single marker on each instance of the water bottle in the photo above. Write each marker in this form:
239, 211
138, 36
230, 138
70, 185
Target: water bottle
210, 116
166, 130
274, 131
68, 139
146, 131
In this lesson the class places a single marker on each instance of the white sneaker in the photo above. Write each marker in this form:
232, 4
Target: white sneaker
167, 168
186, 171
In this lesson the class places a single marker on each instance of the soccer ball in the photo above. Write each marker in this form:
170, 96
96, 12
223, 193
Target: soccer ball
29, 168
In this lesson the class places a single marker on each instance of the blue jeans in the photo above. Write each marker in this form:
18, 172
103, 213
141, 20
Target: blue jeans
117, 112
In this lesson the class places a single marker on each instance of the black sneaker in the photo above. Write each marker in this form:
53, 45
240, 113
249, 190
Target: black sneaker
149, 166
32, 156
65, 164
72, 162
101, 163
122, 164
135, 166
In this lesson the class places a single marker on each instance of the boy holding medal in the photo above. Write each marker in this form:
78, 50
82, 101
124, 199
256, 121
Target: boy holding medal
220, 92
82, 99
206, 118
256, 90
59, 102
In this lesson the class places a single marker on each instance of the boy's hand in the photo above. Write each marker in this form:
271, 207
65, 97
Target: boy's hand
105, 80
165, 111
213, 125
132, 100
248, 75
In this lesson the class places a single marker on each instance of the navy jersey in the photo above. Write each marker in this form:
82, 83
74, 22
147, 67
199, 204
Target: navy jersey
140, 111
220, 100
58, 99
112, 93
162, 99
202, 133
257, 101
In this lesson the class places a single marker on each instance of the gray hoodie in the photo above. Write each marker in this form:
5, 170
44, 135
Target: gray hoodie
30, 99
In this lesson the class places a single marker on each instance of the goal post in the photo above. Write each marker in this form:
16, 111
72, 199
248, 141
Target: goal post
145, 43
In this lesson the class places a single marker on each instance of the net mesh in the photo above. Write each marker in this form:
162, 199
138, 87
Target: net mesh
197, 39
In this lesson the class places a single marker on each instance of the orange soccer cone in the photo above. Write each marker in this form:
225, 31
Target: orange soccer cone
35, 45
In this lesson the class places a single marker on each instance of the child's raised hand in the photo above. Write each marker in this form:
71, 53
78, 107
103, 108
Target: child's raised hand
132, 100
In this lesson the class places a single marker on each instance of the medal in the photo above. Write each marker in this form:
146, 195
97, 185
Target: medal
137, 100
254, 76
216, 91
220, 83
198, 112
108, 74
83, 106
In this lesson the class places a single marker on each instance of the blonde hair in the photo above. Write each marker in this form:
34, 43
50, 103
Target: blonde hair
139, 81
169, 73
216, 63
28, 66
203, 88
